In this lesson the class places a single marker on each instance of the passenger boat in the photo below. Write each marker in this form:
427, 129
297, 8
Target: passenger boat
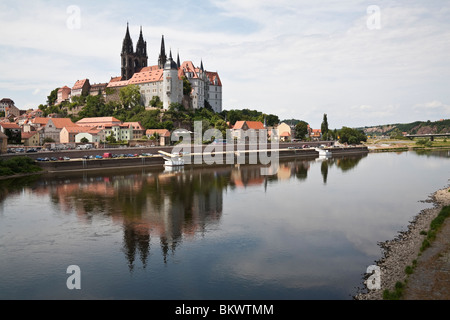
172, 160
323, 152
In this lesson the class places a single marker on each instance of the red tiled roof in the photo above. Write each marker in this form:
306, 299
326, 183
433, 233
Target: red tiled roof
6, 125
115, 79
115, 84
134, 125
66, 88
96, 120
28, 135
62, 122
251, 125
79, 84
212, 76
151, 68
187, 66
161, 132
40, 120
147, 76
77, 129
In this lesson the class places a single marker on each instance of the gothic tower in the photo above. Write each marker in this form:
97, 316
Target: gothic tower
162, 56
133, 61
141, 53
127, 56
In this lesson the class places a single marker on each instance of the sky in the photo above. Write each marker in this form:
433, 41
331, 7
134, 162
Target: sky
361, 62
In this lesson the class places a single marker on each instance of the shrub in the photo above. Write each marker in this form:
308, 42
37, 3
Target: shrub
409, 270
18, 165
396, 293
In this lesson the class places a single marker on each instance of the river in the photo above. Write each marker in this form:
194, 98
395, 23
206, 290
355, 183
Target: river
223, 232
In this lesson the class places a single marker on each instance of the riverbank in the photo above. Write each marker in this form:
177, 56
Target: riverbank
403, 251
404, 145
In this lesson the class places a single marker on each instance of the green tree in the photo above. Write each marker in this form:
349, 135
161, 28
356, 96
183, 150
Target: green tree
51, 99
130, 96
84, 140
301, 130
187, 87
272, 120
48, 140
222, 126
351, 136
324, 128
156, 102
111, 139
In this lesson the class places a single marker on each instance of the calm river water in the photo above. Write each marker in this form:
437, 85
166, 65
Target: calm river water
308, 232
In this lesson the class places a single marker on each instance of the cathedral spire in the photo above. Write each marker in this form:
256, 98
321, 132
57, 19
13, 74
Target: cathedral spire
162, 56
178, 60
141, 49
127, 46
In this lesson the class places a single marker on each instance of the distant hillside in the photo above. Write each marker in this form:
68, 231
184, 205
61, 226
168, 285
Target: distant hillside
417, 127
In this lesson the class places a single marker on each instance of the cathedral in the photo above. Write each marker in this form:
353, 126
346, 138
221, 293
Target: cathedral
133, 61
165, 79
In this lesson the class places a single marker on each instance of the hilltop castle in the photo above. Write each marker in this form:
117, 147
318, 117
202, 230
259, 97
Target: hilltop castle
164, 79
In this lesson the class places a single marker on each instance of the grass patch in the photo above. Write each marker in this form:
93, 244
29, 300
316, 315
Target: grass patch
435, 225
396, 294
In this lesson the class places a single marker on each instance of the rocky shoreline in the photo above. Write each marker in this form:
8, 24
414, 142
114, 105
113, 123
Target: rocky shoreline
400, 252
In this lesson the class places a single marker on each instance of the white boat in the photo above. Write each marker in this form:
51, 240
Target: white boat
323, 152
172, 160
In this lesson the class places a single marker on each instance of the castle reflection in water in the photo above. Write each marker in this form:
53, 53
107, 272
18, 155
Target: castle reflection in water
153, 203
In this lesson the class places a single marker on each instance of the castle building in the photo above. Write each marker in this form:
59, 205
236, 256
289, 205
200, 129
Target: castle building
165, 80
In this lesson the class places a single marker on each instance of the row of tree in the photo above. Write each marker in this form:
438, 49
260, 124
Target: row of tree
344, 135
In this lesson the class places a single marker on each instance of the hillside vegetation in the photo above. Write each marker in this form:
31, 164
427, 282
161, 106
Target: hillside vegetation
417, 127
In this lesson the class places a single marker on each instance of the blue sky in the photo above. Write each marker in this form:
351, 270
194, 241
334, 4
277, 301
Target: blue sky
360, 62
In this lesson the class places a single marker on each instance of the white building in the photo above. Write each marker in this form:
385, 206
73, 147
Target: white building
213, 91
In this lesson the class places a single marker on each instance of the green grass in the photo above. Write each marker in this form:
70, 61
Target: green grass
435, 225
396, 294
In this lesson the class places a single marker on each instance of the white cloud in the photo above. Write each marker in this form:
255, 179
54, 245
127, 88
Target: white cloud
436, 109
295, 59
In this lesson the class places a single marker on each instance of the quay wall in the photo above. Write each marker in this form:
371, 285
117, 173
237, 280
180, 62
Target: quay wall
158, 161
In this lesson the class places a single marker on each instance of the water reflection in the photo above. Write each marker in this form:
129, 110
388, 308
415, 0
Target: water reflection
171, 206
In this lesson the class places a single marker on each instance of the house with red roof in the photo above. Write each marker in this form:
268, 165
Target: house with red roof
30, 139
242, 129
81, 87
163, 135
12, 131
315, 134
52, 130
114, 127
93, 135
284, 132
63, 94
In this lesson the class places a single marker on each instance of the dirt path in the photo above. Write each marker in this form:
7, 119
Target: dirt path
431, 277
